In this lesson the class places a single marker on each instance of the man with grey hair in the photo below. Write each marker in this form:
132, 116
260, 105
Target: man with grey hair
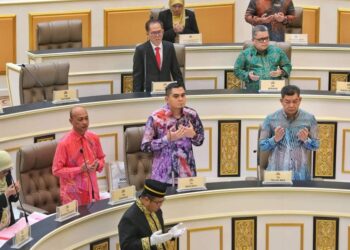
261, 61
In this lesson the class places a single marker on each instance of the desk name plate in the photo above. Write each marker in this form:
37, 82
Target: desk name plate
22, 237
191, 184
271, 85
296, 38
65, 96
190, 39
278, 177
159, 87
342, 88
67, 211
122, 195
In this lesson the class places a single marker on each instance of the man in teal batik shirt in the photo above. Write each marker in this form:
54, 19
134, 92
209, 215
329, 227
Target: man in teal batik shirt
261, 61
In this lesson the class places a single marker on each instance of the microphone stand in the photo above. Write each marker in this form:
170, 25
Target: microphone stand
36, 80
20, 202
92, 187
145, 72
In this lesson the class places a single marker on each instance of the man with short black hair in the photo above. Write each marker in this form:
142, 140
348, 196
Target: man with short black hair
142, 225
170, 133
289, 134
261, 61
155, 60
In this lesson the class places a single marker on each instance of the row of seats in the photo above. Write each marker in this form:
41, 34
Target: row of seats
68, 33
40, 189
38, 81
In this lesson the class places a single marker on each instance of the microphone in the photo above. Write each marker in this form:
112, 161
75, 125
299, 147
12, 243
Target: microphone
92, 187
17, 196
36, 80
144, 72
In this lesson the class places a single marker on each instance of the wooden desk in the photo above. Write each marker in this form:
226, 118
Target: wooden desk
240, 110
205, 66
282, 217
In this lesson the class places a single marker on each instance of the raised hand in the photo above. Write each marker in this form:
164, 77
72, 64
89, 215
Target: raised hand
279, 133
303, 134
158, 237
252, 76
189, 131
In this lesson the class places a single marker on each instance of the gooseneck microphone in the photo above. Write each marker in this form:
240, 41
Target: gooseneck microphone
19, 199
92, 187
36, 80
145, 72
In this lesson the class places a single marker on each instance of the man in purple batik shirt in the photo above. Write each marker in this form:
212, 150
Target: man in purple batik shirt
169, 134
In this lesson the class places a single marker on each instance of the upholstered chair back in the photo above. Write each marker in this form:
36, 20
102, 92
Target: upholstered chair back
138, 164
154, 13
40, 189
37, 81
59, 34
285, 46
296, 27
263, 159
181, 57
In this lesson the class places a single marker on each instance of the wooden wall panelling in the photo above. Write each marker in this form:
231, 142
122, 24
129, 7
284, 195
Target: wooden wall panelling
125, 26
311, 23
7, 41
343, 35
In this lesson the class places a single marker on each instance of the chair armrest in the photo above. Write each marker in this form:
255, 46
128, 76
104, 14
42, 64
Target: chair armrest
30, 209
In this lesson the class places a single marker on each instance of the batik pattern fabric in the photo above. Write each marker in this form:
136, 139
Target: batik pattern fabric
71, 153
258, 8
171, 156
261, 64
290, 153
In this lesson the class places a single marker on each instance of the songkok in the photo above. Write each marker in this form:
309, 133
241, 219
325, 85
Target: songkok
154, 188
5, 160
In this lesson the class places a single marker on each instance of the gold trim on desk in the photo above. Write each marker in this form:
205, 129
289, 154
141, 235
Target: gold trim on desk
198, 78
248, 129
343, 170
308, 78
101, 82
194, 230
210, 143
269, 225
115, 135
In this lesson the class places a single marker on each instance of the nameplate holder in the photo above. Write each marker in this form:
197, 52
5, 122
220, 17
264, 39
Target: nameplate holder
67, 211
271, 85
159, 87
188, 39
277, 177
296, 38
22, 237
122, 195
191, 184
342, 88
65, 96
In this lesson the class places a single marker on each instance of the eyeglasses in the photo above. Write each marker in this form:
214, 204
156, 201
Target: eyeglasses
177, 6
158, 202
263, 39
156, 33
